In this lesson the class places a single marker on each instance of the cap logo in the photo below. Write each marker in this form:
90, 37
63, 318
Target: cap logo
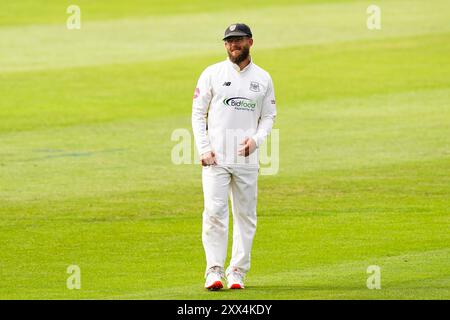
233, 27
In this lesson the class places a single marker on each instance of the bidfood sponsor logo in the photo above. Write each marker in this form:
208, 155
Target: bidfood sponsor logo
240, 103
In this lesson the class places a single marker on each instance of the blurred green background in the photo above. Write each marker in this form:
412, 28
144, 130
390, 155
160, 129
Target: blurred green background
86, 176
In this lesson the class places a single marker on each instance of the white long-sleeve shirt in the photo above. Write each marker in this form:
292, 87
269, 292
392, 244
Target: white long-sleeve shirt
229, 105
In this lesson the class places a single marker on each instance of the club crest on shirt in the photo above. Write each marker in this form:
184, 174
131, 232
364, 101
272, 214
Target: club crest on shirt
254, 86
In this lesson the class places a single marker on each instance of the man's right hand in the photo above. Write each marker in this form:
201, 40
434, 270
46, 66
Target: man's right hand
208, 159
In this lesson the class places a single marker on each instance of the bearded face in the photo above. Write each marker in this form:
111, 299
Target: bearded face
238, 48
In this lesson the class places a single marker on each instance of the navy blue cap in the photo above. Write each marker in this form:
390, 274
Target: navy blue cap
238, 30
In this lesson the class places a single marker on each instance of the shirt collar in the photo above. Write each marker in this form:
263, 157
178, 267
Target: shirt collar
236, 67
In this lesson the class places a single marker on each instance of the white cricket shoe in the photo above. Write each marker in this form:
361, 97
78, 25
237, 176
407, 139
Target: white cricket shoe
214, 277
235, 278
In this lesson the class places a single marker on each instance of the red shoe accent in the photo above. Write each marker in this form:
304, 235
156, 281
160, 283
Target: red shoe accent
235, 286
215, 286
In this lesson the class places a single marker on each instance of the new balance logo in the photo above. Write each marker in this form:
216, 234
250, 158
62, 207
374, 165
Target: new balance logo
226, 84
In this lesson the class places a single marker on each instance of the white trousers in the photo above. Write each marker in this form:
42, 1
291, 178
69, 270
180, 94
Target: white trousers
241, 184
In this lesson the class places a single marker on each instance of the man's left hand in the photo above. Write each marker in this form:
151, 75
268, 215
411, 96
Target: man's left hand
249, 145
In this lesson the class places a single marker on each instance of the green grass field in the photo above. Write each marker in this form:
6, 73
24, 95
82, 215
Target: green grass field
86, 177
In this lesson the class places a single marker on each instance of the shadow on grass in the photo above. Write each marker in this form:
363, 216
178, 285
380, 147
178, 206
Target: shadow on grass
280, 290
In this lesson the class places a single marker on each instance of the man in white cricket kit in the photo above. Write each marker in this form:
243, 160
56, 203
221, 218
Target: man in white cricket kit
233, 111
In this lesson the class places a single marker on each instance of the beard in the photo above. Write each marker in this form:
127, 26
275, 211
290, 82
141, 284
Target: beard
245, 51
